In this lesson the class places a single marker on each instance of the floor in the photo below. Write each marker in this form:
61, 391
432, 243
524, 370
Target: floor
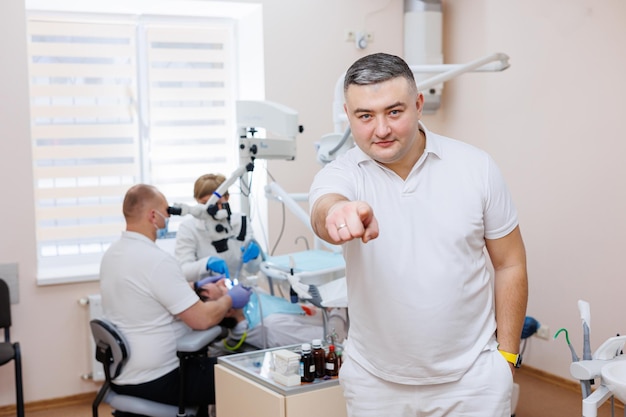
538, 398
543, 399
71, 411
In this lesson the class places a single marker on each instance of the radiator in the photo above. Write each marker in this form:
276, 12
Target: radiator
94, 304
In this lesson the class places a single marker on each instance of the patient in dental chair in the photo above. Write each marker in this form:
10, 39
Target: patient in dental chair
270, 321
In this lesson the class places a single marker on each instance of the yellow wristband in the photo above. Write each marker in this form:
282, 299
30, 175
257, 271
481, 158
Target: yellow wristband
514, 358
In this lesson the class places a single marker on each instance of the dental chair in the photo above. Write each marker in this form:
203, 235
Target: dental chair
112, 351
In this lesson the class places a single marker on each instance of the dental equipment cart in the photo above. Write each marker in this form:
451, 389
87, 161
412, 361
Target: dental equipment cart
244, 387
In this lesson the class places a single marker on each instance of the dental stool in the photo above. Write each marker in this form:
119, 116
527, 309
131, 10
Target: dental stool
112, 351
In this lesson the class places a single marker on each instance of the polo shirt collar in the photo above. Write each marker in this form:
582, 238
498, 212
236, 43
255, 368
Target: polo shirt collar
136, 236
433, 144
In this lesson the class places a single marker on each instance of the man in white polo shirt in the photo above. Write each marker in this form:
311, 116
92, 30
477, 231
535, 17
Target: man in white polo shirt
420, 216
145, 294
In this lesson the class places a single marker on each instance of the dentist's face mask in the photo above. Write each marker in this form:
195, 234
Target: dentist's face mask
162, 232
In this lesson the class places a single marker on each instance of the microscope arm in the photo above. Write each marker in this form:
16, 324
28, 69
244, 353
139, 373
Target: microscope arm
238, 173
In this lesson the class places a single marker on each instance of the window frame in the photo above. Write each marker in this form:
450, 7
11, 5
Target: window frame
248, 84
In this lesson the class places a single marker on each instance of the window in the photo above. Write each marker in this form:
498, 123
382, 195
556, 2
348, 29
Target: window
117, 100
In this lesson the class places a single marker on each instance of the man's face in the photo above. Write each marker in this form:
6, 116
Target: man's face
213, 291
384, 120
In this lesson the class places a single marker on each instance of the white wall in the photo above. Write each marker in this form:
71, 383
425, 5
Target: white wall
551, 121
304, 77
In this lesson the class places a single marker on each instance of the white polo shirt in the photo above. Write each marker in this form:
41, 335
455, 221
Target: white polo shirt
143, 289
421, 294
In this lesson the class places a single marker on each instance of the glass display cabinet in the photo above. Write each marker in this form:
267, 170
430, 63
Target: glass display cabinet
245, 386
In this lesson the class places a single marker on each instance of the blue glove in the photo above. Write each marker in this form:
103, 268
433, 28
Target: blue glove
250, 252
240, 295
207, 280
218, 265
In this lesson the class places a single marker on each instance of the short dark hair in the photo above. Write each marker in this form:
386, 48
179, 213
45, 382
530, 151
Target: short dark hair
376, 68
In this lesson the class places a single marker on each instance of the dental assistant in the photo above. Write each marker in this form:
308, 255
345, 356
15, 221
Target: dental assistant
219, 244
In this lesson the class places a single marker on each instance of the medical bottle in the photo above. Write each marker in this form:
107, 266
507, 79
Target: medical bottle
339, 353
307, 366
332, 365
319, 357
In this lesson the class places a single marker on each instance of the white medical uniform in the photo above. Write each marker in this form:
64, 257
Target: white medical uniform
421, 294
194, 247
142, 289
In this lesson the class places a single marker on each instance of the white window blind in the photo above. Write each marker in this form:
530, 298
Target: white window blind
115, 102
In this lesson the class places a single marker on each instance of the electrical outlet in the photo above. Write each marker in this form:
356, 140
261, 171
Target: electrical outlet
351, 35
543, 332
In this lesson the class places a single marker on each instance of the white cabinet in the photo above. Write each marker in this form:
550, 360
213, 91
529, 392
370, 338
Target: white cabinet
244, 388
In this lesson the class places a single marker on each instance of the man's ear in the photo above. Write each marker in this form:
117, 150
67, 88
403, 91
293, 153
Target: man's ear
419, 103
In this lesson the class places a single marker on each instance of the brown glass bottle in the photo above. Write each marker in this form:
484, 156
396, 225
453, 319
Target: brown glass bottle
307, 366
319, 357
332, 363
